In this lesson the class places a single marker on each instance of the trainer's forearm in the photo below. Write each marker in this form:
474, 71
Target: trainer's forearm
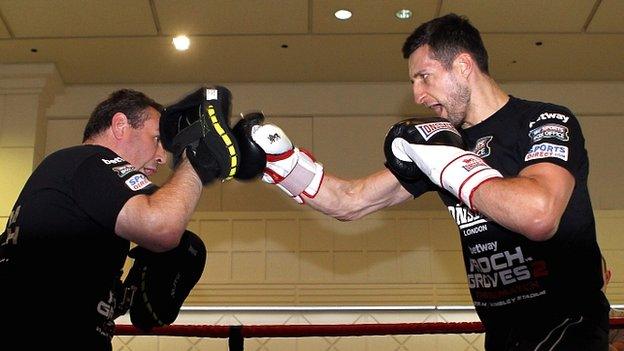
179, 196
157, 221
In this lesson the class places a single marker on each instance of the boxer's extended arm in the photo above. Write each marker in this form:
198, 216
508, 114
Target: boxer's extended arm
157, 221
352, 199
297, 173
531, 203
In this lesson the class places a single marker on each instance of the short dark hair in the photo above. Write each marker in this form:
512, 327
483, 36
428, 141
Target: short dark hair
448, 36
130, 102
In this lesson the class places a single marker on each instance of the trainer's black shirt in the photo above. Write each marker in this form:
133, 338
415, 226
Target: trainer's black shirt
59, 256
518, 285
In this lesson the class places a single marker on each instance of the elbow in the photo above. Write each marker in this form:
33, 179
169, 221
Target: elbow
165, 236
540, 231
542, 226
168, 241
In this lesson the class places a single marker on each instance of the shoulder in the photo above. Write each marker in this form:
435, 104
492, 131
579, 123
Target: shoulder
539, 112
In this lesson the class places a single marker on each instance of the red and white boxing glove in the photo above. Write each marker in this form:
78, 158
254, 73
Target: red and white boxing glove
292, 169
436, 147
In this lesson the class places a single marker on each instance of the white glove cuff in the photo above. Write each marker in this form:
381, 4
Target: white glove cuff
464, 175
305, 177
471, 184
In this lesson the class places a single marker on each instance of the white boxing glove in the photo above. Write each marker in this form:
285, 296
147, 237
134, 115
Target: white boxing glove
436, 148
292, 169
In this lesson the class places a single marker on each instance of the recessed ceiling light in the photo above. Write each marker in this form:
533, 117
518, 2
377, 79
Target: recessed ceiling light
181, 42
403, 14
343, 14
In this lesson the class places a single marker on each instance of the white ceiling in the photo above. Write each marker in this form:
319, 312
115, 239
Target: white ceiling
129, 41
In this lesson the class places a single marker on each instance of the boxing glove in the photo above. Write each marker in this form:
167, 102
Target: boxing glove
292, 169
253, 158
437, 149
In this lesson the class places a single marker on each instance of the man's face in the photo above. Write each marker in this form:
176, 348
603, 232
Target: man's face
143, 148
444, 91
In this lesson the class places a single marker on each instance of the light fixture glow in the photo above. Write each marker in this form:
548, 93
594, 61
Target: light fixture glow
403, 14
181, 42
343, 14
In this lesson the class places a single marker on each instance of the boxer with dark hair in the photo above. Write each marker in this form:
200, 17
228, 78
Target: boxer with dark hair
512, 173
69, 233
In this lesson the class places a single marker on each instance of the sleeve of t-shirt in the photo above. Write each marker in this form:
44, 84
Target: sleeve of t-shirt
554, 136
102, 185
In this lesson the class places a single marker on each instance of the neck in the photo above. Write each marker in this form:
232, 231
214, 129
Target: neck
486, 98
103, 140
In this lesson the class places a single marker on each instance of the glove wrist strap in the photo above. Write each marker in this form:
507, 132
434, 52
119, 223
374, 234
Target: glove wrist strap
464, 174
304, 178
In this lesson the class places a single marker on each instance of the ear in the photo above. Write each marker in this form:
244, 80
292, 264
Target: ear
464, 64
119, 125
607, 277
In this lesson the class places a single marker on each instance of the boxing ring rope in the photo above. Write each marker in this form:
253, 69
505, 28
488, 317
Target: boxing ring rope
237, 333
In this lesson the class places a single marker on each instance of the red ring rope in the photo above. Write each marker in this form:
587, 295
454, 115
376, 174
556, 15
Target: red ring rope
284, 331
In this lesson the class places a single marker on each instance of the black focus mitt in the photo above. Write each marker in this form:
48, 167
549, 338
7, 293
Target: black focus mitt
198, 124
162, 281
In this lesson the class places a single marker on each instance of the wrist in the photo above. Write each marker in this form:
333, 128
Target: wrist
299, 175
464, 174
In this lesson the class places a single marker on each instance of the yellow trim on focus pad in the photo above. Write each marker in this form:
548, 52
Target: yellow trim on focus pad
226, 139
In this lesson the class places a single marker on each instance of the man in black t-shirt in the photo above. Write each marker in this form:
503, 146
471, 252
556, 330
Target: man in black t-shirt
518, 195
70, 229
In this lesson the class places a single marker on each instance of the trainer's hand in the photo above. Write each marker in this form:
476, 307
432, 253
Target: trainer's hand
292, 169
437, 148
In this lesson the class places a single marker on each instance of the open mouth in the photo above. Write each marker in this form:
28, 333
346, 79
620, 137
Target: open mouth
437, 108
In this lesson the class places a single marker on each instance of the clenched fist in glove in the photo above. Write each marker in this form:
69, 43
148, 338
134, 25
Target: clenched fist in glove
292, 169
437, 149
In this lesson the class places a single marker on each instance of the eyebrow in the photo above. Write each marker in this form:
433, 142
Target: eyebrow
418, 74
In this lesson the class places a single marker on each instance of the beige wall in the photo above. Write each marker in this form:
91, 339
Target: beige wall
266, 250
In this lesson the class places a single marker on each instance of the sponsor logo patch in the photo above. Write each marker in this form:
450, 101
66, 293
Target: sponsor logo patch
137, 182
550, 115
212, 94
123, 170
113, 161
550, 130
482, 147
428, 130
472, 162
547, 150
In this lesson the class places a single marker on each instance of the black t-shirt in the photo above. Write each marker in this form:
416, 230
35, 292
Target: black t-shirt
516, 283
59, 256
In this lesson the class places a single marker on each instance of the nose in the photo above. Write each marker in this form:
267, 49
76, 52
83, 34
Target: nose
161, 154
419, 93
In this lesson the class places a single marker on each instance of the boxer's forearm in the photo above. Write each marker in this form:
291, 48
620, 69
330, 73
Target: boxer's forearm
352, 199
